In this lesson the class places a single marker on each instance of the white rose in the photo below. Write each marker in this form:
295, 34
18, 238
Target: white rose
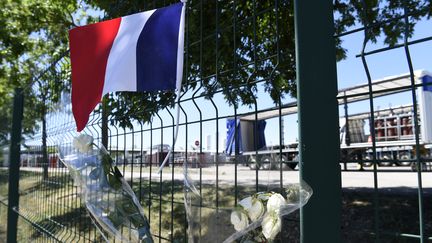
271, 225
246, 203
239, 220
257, 210
275, 202
253, 207
263, 196
83, 143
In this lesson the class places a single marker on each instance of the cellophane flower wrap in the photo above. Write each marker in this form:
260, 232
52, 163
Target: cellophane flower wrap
109, 199
258, 218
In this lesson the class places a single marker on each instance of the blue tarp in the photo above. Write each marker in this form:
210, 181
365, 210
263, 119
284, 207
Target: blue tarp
426, 80
231, 140
261, 125
231, 130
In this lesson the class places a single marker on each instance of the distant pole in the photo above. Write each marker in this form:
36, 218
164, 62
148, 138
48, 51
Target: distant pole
45, 161
105, 114
282, 131
318, 120
14, 166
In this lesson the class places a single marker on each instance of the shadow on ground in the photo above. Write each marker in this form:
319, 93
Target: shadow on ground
396, 210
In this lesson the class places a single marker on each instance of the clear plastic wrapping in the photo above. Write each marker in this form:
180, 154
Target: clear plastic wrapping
112, 204
258, 218
255, 217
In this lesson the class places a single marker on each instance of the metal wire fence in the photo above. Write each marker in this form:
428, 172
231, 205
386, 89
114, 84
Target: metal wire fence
396, 136
250, 44
49, 201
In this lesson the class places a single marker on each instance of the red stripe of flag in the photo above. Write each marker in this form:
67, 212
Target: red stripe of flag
90, 46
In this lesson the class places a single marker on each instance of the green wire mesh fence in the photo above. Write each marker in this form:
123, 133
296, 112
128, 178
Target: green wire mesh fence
240, 64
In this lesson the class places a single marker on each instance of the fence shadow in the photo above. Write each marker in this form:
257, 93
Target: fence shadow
397, 214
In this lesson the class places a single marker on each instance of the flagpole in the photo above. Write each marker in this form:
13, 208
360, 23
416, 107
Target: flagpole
179, 84
170, 151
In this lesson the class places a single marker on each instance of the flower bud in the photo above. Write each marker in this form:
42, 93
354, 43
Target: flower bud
271, 225
275, 202
239, 220
253, 206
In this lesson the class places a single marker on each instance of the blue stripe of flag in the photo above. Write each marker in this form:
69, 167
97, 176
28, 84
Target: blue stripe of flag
157, 50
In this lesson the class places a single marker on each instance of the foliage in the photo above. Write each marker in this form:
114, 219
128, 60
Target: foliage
33, 35
33, 40
371, 12
231, 46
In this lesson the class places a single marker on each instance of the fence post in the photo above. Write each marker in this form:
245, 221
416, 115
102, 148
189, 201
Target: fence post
14, 164
318, 119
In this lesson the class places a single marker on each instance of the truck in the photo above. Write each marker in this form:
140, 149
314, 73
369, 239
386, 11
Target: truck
394, 128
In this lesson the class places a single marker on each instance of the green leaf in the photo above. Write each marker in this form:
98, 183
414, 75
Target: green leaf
115, 219
114, 182
137, 220
106, 163
117, 172
128, 206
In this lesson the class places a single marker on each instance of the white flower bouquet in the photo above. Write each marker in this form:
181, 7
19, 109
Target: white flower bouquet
112, 204
258, 218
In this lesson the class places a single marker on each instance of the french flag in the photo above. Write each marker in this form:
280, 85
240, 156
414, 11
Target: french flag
139, 52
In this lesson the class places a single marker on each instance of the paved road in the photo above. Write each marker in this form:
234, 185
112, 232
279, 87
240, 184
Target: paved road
391, 178
349, 178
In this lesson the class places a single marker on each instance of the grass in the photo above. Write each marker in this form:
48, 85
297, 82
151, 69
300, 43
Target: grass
54, 205
51, 205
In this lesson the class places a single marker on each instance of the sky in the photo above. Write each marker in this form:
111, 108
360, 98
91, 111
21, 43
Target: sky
350, 72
